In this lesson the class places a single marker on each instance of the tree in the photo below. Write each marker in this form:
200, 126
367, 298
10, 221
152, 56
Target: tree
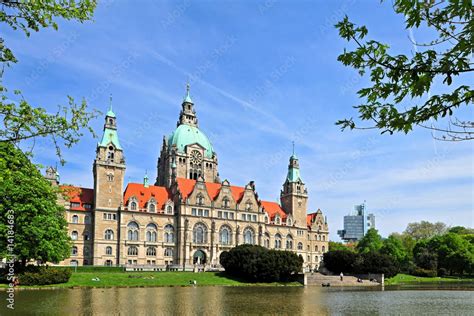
425, 229
374, 262
29, 200
338, 261
400, 96
21, 120
393, 247
333, 245
371, 242
460, 230
455, 254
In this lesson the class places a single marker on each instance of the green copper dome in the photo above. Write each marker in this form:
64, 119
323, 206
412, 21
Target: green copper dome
185, 135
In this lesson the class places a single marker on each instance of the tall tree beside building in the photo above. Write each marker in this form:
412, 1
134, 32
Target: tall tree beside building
400, 97
39, 223
371, 242
23, 121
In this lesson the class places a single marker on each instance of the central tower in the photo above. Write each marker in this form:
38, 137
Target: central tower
187, 152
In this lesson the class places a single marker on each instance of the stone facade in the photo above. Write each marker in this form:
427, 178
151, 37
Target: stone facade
189, 217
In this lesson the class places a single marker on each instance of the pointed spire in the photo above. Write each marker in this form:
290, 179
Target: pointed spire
187, 97
110, 112
293, 168
145, 179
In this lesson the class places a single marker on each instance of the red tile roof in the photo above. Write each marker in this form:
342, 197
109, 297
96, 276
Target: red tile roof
272, 209
78, 195
186, 187
144, 194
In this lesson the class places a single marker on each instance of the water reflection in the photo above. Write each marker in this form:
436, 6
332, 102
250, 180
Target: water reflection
238, 300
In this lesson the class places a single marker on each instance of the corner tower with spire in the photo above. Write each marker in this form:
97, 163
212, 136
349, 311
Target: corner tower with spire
187, 152
109, 166
294, 195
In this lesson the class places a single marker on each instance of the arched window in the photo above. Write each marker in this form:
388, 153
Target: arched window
169, 252
289, 242
151, 251
200, 234
74, 251
300, 246
108, 250
133, 206
86, 235
87, 219
132, 231
324, 238
169, 209
249, 236
225, 203
75, 219
200, 199
225, 235
319, 237
277, 241
109, 234
74, 235
169, 233
132, 251
266, 242
324, 248
151, 208
266, 219
316, 248
151, 232
316, 259
289, 222
110, 177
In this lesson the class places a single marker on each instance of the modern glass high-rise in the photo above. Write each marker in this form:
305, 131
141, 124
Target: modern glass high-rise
357, 224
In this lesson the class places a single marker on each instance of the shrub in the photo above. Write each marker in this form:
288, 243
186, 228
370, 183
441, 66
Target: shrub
340, 261
259, 264
442, 272
45, 275
374, 262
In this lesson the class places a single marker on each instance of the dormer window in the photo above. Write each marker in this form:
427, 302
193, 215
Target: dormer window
169, 209
200, 199
266, 219
225, 203
133, 206
277, 220
289, 222
248, 206
152, 208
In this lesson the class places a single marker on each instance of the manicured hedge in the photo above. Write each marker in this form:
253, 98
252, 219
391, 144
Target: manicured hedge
350, 262
45, 275
259, 264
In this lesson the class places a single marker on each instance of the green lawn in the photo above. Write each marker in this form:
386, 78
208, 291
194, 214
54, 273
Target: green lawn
144, 279
410, 279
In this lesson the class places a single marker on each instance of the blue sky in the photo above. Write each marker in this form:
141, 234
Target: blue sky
262, 74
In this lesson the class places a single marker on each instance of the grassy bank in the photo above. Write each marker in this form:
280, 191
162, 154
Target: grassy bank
400, 279
150, 279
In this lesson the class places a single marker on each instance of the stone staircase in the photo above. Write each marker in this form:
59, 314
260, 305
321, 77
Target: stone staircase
335, 280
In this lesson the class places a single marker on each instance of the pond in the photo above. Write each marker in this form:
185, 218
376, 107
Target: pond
215, 300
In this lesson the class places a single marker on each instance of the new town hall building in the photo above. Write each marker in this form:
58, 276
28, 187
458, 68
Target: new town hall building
189, 216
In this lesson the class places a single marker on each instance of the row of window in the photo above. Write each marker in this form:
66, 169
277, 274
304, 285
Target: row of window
133, 233
75, 235
110, 216
199, 212
133, 206
75, 219
76, 205
225, 215
249, 217
150, 251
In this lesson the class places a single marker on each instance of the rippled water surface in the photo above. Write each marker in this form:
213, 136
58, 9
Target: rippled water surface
241, 301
